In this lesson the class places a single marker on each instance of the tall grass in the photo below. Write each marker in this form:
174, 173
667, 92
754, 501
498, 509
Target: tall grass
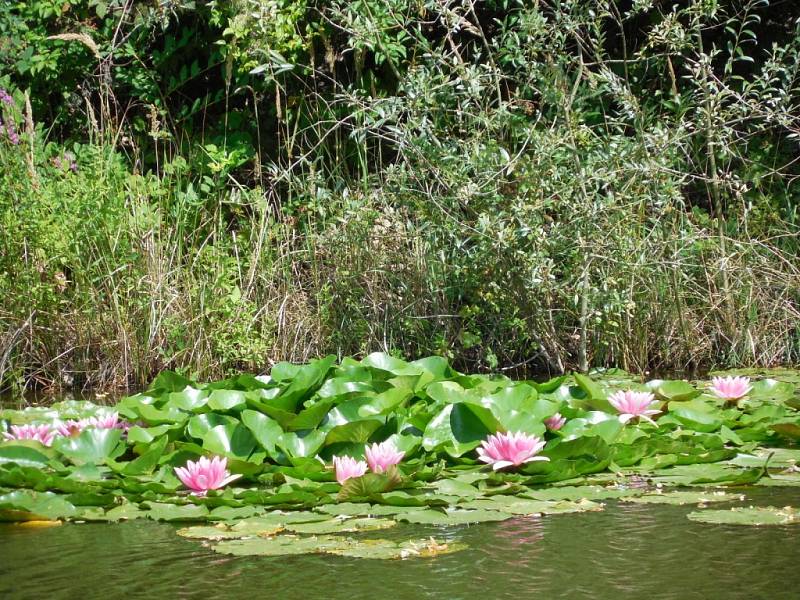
533, 203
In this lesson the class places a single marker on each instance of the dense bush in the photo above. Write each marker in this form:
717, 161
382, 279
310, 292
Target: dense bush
534, 185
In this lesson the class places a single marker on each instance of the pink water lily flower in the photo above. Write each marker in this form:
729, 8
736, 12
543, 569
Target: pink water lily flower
107, 421
555, 422
510, 449
730, 388
347, 467
205, 474
71, 428
633, 404
382, 456
41, 433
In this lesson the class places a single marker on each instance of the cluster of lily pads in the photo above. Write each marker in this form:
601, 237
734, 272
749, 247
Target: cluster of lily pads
289, 462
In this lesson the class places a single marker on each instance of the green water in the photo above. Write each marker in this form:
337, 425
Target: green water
625, 551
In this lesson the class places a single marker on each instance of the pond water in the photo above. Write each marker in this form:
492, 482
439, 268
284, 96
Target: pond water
625, 551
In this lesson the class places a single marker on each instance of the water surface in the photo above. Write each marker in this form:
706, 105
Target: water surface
626, 551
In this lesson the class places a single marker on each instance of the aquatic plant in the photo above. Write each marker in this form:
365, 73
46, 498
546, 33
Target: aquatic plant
41, 433
382, 456
510, 449
633, 404
731, 387
347, 467
279, 431
555, 422
106, 421
205, 474
71, 427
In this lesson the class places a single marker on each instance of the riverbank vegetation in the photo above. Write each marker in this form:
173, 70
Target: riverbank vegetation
283, 463
524, 186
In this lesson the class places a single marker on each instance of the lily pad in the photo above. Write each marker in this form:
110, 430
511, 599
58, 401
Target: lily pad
209, 532
761, 515
281, 545
685, 497
341, 526
27, 505
522, 506
454, 517
159, 511
362, 509
284, 545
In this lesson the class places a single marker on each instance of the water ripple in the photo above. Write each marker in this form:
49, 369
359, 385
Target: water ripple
626, 551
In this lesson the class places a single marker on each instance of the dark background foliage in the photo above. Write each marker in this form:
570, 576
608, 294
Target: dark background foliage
518, 185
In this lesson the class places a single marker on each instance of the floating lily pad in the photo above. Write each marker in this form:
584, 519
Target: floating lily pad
208, 532
523, 506
341, 526
277, 518
584, 492
761, 515
355, 509
789, 477
27, 505
125, 512
283, 545
230, 513
684, 497
454, 517
159, 511
387, 550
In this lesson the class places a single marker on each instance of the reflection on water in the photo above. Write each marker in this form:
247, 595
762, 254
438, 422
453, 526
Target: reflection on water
626, 551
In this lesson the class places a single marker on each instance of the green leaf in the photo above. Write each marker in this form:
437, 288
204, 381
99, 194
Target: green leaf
472, 423
340, 386
155, 416
145, 435
265, 430
232, 440
27, 505
395, 366
369, 484
226, 400
200, 425
305, 382
595, 396
788, 430
189, 400
684, 497
160, 511
761, 515
454, 517
385, 403
91, 446
694, 416
310, 417
295, 445
570, 459
341, 526
355, 431
770, 389
518, 408
678, 391
169, 381
23, 455
549, 386
144, 464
